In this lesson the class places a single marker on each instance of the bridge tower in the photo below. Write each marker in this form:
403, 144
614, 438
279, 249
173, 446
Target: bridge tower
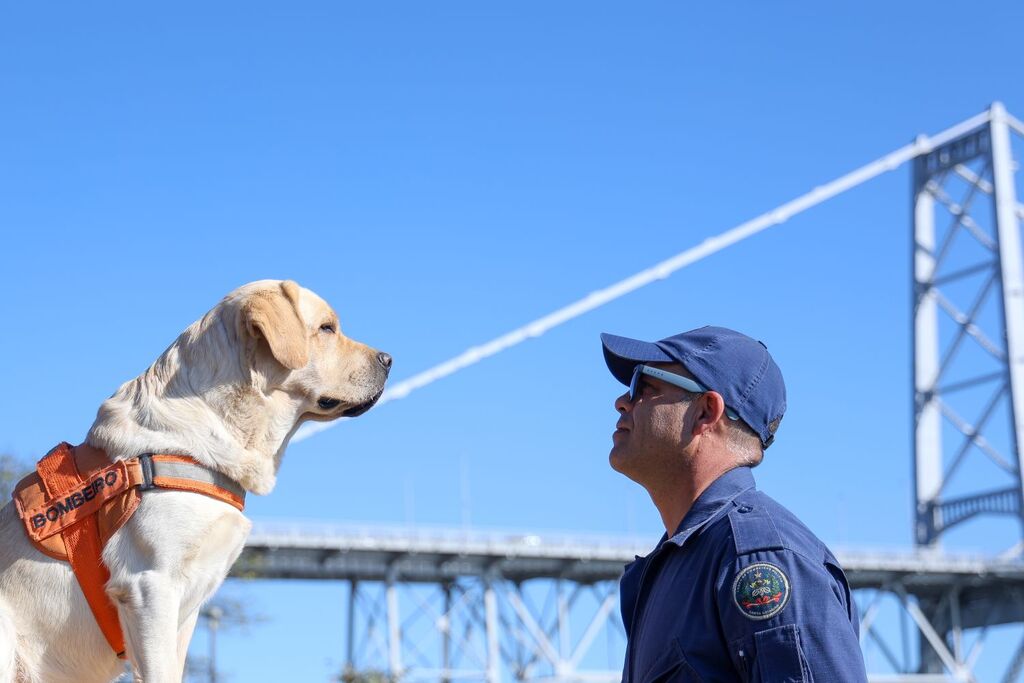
968, 371
968, 331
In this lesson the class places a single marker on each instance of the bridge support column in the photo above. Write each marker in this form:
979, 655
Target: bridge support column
394, 626
491, 626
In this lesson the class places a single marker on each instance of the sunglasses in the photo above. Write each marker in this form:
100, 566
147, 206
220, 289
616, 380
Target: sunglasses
672, 378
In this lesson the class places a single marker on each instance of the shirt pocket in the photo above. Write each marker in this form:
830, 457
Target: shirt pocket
779, 658
671, 667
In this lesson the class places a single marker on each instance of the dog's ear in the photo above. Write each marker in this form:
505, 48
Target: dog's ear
274, 315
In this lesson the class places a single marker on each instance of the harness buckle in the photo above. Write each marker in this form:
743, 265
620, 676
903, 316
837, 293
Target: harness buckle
146, 461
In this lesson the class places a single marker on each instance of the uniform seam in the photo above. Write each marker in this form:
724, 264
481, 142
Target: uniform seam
789, 548
754, 381
693, 354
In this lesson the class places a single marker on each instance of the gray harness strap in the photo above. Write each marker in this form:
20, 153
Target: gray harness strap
184, 470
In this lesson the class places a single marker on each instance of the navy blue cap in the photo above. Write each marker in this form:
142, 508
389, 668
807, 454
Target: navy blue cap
736, 366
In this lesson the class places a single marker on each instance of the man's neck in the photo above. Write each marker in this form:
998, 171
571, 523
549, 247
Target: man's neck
673, 502
674, 496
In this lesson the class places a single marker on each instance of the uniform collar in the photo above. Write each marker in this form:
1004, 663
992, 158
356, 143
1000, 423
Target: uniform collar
714, 498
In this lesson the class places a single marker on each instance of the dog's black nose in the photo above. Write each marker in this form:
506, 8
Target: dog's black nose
384, 359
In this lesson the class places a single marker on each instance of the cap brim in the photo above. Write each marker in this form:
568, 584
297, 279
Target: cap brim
622, 354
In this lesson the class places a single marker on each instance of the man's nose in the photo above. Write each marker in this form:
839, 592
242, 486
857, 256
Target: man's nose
384, 359
623, 404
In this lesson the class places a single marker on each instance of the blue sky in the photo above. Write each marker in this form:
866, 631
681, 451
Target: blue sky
445, 172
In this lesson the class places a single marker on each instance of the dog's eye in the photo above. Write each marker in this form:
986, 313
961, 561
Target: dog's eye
328, 328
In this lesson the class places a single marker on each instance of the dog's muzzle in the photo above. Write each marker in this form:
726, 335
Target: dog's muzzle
356, 411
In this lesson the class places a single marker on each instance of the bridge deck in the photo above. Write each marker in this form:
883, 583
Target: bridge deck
319, 551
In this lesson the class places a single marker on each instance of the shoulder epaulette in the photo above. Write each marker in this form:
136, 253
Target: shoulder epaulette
753, 528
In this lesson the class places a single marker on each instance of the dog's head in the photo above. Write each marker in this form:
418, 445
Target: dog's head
233, 387
292, 339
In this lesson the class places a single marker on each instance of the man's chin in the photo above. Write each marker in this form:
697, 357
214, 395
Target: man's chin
618, 460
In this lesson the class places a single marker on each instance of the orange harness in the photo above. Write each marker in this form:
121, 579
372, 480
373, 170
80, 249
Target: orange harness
77, 498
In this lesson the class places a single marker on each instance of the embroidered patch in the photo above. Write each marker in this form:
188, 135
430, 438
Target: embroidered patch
761, 591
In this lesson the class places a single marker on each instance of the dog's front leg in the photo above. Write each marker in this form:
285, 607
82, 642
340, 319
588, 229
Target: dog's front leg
185, 636
148, 604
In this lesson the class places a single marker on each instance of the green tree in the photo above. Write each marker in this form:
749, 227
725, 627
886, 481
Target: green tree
12, 469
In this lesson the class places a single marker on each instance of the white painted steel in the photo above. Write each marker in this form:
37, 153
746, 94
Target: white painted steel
491, 628
927, 416
1012, 271
935, 640
394, 627
990, 146
593, 629
493, 545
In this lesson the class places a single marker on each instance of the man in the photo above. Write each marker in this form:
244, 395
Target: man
738, 589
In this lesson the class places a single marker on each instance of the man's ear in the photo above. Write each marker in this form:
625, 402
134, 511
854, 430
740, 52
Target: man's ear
710, 407
274, 315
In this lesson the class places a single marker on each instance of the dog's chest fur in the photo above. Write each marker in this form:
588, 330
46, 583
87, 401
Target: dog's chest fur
189, 539
192, 539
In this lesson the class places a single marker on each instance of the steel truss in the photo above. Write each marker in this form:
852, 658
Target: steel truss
927, 617
967, 266
445, 605
473, 628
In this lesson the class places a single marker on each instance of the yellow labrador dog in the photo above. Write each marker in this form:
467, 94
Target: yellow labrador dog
229, 392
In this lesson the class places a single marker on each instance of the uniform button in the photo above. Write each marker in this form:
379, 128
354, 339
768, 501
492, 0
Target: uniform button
744, 508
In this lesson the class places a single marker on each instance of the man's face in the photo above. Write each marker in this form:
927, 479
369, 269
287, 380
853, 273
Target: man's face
653, 430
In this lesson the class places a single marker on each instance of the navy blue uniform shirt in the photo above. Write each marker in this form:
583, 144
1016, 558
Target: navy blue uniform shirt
742, 592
